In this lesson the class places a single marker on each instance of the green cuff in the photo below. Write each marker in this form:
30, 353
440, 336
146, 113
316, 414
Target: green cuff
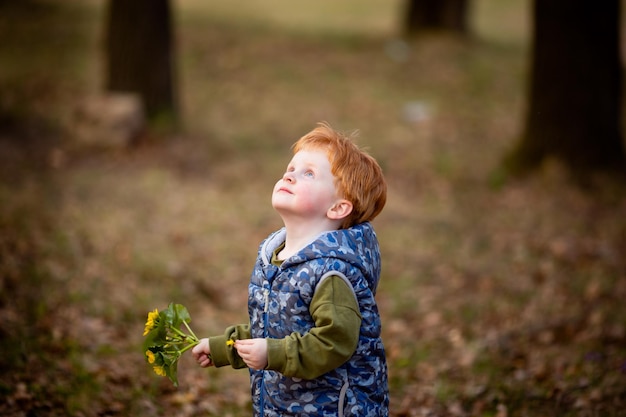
276, 354
222, 347
220, 353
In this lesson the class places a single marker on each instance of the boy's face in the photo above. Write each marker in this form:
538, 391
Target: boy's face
307, 188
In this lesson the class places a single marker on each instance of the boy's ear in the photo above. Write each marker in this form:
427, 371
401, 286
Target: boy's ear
339, 210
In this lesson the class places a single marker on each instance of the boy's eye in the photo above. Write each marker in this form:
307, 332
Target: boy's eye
309, 174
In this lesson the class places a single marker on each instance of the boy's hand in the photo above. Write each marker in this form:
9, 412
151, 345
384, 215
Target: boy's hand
253, 352
202, 353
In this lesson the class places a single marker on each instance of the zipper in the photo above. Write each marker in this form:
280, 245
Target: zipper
266, 302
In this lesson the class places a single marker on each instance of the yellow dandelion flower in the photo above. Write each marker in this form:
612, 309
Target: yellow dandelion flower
151, 323
230, 342
150, 356
159, 370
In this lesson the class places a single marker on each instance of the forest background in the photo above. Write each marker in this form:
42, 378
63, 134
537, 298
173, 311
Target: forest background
499, 297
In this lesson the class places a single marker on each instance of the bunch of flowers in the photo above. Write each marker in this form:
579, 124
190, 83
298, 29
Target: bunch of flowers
165, 341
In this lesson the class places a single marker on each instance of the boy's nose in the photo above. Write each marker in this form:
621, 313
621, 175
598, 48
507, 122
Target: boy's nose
288, 177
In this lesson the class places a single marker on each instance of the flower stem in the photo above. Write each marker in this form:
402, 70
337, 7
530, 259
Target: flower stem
189, 346
180, 333
190, 331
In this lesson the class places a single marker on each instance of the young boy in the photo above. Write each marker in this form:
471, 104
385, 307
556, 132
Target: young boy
313, 344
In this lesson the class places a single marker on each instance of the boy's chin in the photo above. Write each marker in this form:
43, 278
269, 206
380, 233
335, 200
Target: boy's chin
280, 209
279, 205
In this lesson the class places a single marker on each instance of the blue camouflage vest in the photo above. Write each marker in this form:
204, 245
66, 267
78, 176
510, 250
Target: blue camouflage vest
279, 299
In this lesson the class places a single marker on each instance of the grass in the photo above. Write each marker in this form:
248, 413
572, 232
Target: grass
497, 298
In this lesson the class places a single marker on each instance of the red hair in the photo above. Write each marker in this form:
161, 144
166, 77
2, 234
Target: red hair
358, 177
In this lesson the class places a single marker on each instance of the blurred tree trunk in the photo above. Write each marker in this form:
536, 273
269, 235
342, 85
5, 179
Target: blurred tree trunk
427, 15
574, 112
140, 54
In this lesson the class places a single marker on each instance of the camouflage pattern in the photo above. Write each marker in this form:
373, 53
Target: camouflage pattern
279, 299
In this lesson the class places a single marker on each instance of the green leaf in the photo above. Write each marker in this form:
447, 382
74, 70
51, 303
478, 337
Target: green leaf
156, 336
179, 313
172, 372
168, 315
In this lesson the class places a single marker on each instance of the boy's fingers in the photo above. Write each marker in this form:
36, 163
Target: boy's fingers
245, 342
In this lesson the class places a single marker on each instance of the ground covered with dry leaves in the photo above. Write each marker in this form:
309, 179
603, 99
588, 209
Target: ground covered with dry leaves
499, 296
